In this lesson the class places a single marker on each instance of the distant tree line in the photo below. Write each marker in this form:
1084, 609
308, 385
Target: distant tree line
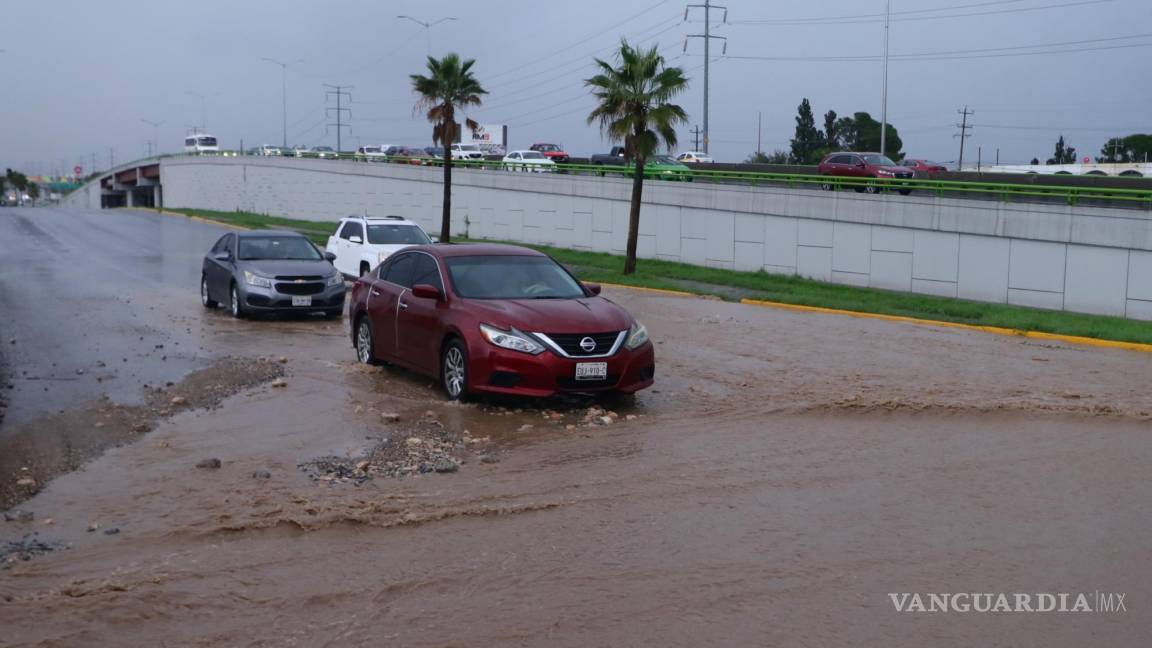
809, 144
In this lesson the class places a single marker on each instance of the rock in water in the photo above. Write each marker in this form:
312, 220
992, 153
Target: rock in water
208, 464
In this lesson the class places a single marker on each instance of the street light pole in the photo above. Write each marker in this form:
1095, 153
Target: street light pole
203, 108
283, 92
427, 27
884, 93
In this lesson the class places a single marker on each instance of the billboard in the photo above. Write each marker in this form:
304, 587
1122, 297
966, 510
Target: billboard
491, 134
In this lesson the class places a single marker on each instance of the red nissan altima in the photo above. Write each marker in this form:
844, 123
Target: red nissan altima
497, 318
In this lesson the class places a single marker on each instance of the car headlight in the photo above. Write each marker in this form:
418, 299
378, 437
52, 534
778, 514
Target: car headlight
887, 174
511, 339
256, 280
335, 279
637, 336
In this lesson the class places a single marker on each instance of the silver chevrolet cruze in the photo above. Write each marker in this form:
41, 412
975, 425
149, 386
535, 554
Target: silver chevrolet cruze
270, 271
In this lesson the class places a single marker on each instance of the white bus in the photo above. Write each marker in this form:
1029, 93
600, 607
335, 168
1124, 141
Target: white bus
201, 143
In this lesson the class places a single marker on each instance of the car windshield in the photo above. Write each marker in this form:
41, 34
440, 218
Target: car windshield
371, 149
664, 159
469, 147
532, 155
207, 141
397, 235
551, 148
323, 148
879, 160
277, 247
511, 277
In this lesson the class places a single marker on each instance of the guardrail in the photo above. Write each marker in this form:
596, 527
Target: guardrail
1004, 192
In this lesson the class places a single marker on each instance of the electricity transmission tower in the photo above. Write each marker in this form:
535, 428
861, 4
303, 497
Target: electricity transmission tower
707, 36
339, 92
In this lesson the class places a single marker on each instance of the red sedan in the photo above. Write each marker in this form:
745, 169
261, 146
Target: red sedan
926, 167
498, 319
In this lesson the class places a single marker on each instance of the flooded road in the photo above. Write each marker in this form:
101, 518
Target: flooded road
787, 472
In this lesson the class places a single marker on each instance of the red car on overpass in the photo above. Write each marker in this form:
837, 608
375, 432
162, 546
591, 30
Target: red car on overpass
551, 151
498, 319
924, 167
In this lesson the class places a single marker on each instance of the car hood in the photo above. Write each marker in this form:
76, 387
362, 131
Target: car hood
896, 169
283, 267
587, 315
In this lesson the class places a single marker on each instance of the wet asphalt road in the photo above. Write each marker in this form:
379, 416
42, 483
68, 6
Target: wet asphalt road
84, 305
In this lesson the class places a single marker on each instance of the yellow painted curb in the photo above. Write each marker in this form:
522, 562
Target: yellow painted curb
661, 291
1072, 339
178, 214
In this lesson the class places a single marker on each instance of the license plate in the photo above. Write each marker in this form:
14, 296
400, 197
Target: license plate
591, 370
301, 301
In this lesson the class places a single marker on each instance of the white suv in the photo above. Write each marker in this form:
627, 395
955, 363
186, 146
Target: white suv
360, 243
467, 152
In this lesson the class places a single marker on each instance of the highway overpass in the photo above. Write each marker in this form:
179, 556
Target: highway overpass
1073, 257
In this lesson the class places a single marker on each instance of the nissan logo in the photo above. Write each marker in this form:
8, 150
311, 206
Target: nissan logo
588, 344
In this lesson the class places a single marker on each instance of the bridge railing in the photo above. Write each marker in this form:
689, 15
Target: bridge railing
1004, 192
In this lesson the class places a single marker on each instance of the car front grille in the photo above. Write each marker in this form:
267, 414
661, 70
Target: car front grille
905, 175
570, 343
307, 288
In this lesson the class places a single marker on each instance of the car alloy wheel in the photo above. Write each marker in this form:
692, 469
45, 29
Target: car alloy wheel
234, 304
872, 189
204, 298
364, 342
826, 186
455, 374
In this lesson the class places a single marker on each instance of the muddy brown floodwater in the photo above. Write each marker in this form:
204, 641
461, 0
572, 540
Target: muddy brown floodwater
787, 472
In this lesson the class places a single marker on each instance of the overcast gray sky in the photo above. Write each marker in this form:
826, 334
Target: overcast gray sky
80, 76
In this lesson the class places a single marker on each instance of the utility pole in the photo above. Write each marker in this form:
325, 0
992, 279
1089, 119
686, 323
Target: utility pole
759, 115
340, 92
111, 158
963, 134
979, 156
707, 36
93, 167
997, 156
695, 137
884, 91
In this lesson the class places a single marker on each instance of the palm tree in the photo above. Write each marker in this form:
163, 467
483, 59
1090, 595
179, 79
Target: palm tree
450, 85
633, 107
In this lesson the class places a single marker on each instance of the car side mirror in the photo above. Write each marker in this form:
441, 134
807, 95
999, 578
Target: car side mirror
593, 288
434, 238
222, 256
355, 239
860, 164
329, 256
426, 291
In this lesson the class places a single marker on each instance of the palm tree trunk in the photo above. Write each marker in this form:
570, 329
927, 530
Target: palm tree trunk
446, 218
634, 217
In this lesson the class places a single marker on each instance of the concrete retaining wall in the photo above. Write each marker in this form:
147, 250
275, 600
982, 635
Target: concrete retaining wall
1085, 259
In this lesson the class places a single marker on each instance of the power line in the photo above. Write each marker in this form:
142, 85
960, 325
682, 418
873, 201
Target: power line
994, 52
875, 18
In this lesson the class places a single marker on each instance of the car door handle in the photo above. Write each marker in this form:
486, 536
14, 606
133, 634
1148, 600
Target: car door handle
403, 305
375, 293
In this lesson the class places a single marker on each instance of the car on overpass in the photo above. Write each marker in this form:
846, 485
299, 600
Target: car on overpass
532, 161
467, 152
694, 157
552, 152
846, 164
923, 167
499, 319
270, 271
360, 243
370, 154
269, 151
